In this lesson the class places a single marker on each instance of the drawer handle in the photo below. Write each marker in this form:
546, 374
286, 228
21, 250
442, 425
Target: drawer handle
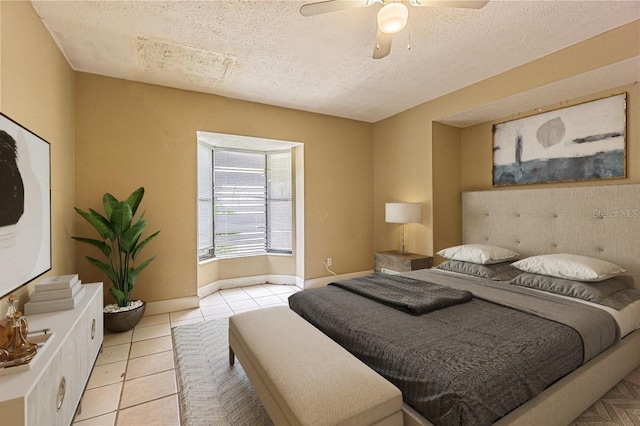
62, 388
93, 329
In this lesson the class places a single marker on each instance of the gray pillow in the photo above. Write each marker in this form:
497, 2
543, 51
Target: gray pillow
602, 292
622, 298
496, 271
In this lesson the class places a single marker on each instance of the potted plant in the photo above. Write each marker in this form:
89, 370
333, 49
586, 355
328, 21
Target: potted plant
120, 243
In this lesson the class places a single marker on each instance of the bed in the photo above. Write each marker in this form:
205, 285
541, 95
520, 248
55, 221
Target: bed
601, 222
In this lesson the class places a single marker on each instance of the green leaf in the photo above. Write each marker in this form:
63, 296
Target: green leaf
136, 250
131, 235
118, 295
134, 272
121, 218
135, 198
107, 269
141, 217
101, 245
108, 201
102, 229
105, 222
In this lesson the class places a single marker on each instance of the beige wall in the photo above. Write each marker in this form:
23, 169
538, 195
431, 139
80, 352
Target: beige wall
404, 152
447, 204
131, 134
220, 269
37, 91
477, 144
402, 165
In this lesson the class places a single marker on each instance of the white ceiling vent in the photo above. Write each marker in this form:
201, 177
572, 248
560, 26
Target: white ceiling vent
171, 60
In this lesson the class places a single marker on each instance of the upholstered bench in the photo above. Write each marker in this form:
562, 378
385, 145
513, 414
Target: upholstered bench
304, 378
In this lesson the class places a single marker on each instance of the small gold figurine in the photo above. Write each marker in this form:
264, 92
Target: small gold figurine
6, 329
14, 347
6, 332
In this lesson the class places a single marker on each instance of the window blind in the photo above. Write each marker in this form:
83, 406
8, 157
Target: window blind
240, 203
280, 209
244, 202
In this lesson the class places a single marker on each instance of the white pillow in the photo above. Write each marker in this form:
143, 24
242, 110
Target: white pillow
569, 267
478, 253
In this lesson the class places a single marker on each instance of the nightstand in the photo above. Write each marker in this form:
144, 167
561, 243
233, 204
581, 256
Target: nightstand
393, 261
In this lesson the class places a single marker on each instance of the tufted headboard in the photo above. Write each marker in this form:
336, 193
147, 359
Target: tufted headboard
596, 221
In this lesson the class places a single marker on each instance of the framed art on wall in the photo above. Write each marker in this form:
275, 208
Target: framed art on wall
584, 141
25, 205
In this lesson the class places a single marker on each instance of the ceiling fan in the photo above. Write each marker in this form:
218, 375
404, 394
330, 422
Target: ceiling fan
392, 17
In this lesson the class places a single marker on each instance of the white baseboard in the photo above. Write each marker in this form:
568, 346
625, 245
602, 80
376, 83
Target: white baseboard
247, 281
323, 281
171, 305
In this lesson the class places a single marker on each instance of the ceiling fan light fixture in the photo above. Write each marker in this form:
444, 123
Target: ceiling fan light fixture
392, 18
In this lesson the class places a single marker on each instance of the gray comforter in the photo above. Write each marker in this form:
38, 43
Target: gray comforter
471, 363
403, 293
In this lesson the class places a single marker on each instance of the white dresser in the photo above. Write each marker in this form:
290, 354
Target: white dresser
49, 393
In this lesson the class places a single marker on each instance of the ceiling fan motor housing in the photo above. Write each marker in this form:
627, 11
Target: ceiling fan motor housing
392, 18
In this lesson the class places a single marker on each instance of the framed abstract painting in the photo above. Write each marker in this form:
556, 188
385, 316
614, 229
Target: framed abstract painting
584, 141
25, 205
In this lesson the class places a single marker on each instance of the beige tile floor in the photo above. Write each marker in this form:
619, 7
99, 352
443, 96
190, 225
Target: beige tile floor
134, 382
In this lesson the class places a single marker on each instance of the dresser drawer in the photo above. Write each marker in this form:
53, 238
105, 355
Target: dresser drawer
49, 393
42, 401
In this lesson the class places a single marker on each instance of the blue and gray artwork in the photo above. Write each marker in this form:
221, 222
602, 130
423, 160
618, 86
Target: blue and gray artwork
586, 141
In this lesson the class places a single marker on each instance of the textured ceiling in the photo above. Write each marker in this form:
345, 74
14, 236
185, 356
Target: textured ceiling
265, 51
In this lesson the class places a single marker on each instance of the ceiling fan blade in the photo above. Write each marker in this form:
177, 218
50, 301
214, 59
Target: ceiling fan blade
383, 45
464, 4
320, 7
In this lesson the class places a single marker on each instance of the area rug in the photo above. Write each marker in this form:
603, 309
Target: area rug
211, 392
214, 393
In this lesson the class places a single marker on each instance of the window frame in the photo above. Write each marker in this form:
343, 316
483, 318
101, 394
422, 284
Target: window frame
210, 254
210, 251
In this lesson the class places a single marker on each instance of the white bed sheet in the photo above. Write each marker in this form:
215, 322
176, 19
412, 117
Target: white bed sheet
628, 318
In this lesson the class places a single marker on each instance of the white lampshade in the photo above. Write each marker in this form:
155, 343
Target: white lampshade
392, 18
403, 212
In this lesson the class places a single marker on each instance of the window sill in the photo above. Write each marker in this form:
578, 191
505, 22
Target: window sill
205, 261
215, 259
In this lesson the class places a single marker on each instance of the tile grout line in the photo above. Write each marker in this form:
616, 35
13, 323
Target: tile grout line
170, 323
124, 376
120, 408
154, 399
151, 400
124, 379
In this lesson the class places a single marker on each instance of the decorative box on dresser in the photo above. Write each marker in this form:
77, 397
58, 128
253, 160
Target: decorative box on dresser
50, 391
394, 261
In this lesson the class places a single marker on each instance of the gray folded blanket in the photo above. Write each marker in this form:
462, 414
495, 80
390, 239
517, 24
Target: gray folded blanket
406, 294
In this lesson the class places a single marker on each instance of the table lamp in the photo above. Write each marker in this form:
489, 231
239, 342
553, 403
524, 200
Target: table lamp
403, 213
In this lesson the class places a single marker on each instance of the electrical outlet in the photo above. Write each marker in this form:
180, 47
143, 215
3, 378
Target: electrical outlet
329, 261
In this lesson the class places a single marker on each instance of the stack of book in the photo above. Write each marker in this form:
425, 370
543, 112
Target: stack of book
53, 294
